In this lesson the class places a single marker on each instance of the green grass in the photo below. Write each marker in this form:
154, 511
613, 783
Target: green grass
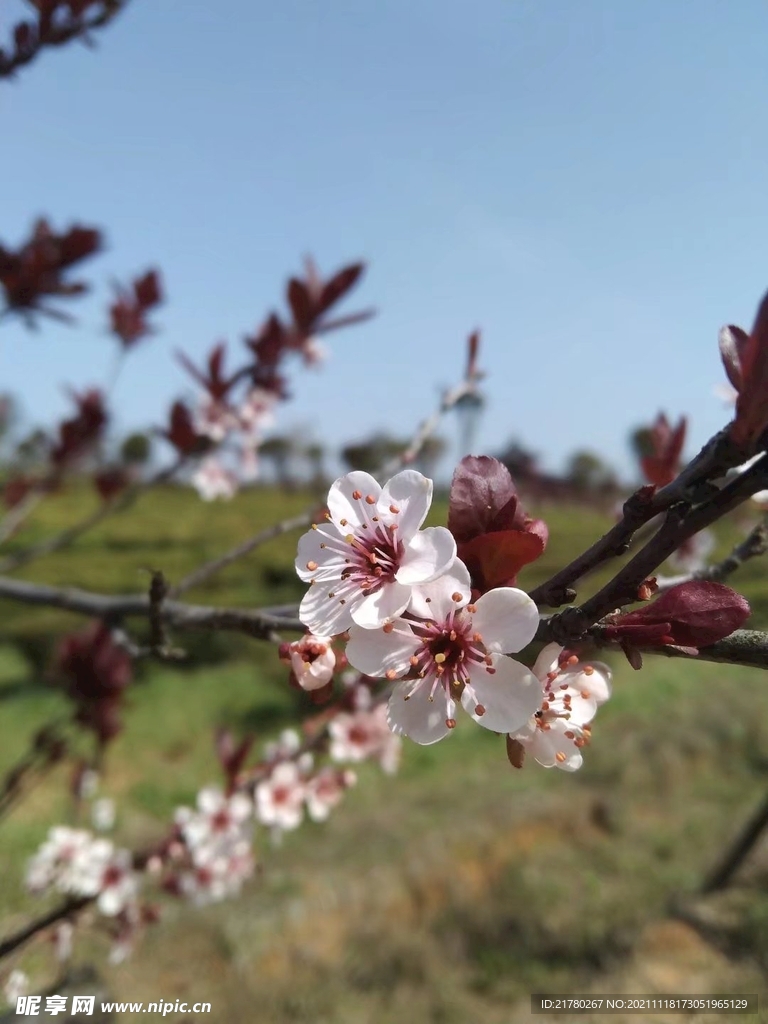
448, 893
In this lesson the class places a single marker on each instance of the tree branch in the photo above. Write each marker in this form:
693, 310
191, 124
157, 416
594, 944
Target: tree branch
691, 486
261, 625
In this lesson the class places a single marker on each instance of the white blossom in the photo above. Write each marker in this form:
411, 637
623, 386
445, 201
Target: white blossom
313, 661
446, 650
559, 730
364, 562
280, 797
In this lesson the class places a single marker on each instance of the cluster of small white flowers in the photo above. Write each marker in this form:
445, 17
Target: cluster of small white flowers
364, 733
218, 839
74, 862
293, 787
403, 596
242, 428
573, 691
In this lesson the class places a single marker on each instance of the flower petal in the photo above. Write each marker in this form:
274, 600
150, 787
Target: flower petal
410, 493
324, 548
548, 743
435, 600
326, 615
426, 556
507, 619
382, 606
510, 695
547, 661
342, 505
419, 718
375, 652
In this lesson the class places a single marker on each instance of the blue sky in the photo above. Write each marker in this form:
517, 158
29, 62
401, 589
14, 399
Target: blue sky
586, 182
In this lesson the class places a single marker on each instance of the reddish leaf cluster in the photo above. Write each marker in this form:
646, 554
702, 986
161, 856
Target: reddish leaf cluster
57, 22
111, 481
691, 615
213, 379
494, 535
309, 301
181, 432
663, 465
79, 434
95, 672
745, 357
36, 270
128, 312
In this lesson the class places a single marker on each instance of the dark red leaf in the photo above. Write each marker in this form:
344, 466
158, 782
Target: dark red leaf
483, 498
300, 301
495, 559
338, 285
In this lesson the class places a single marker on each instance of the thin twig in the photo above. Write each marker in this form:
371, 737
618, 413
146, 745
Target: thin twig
721, 876
173, 613
71, 534
692, 485
304, 519
753, 545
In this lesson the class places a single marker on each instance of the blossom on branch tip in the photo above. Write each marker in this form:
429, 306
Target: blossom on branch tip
280, 798
557, 732
312, 660
364, 733
365, 561
212, 480
446, 651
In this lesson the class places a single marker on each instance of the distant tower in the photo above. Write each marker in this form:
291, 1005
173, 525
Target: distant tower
469, 409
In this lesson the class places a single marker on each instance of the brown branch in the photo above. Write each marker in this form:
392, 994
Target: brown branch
722, 874
261, 625
753, 545
680, 523
60, 913
717, 456
745, 647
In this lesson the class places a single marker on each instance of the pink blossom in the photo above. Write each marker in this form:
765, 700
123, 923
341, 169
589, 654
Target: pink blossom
280, 798
313, 661
363, 564
556, 734
219, 820
447, 650
362, 734
211, 480
325, 790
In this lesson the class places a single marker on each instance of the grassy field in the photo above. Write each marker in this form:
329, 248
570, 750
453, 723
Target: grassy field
447, 894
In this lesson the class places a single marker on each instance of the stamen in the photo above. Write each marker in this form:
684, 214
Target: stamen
471, 608
439, 658
480, 710
311, 566
560, 757
357, 495
370, 500
388, 627
588, 670
450, 723
391, 674
456, 596
394, 509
